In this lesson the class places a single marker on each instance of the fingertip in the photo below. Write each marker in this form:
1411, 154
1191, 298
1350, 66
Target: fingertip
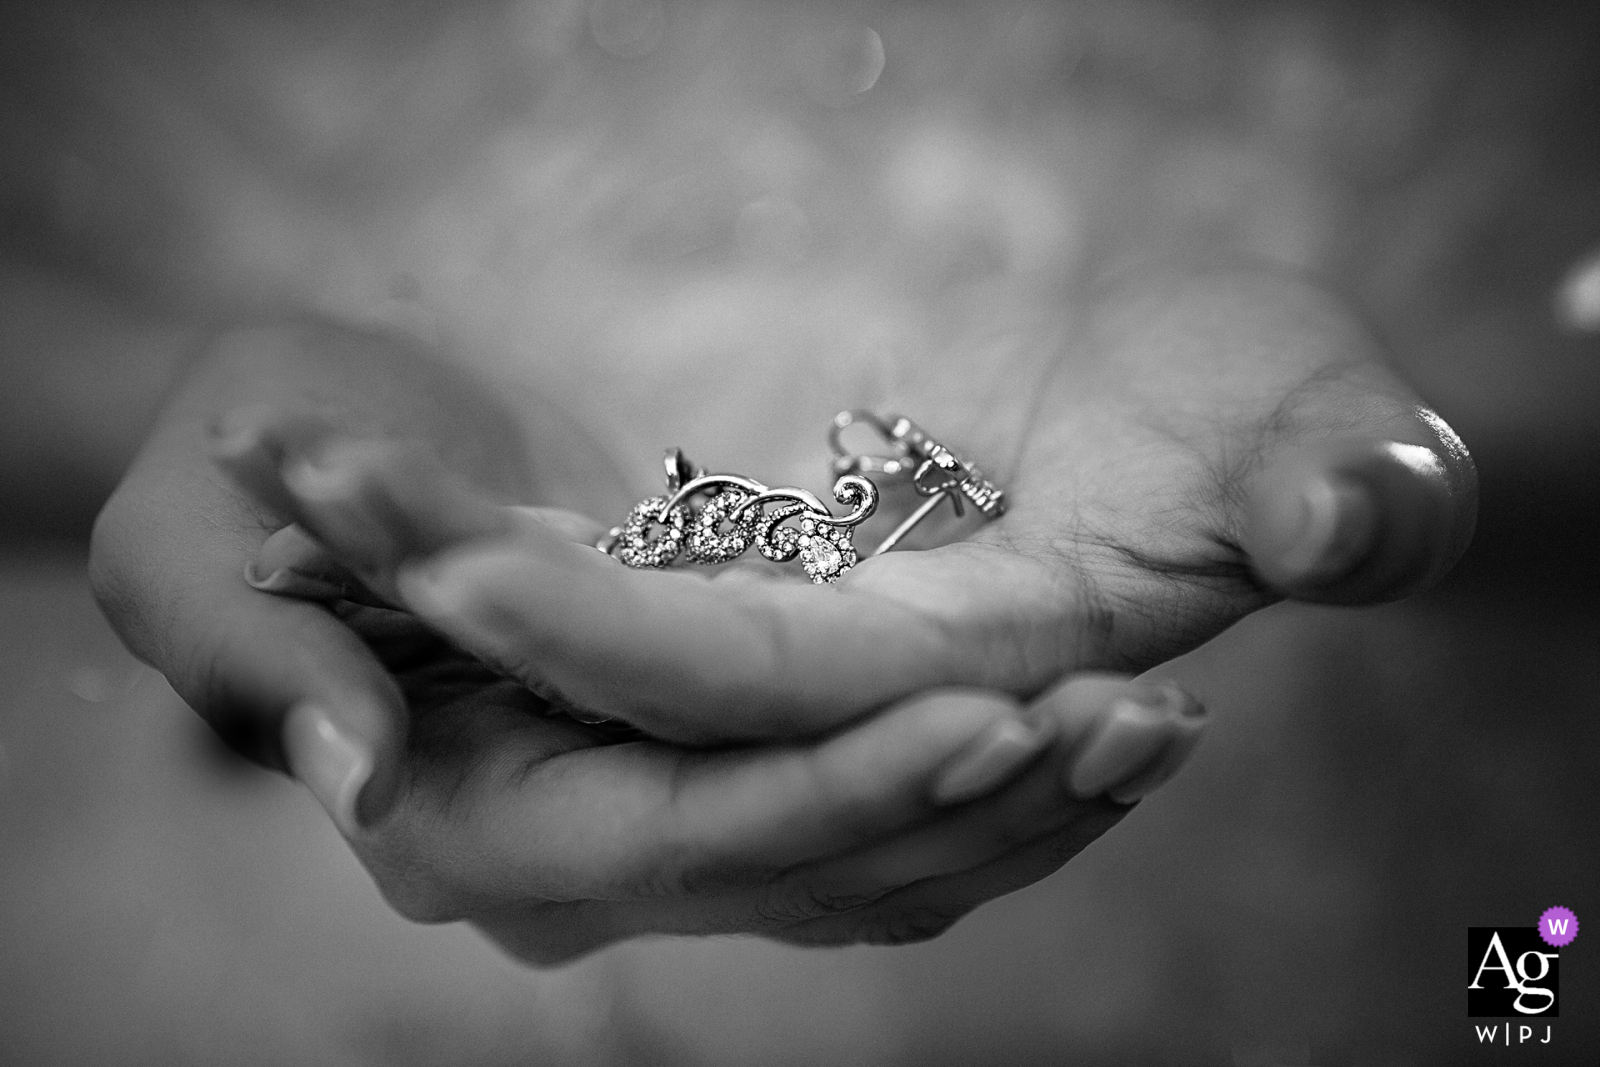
1124, 736
1081, 700
1183, 737
262, 667
347, 758
264, 433
1356, 522
282, 581
995, 754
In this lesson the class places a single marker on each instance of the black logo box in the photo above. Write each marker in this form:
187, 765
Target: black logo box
1534, 966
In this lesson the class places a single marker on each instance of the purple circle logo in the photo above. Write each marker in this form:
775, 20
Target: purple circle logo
1558, 926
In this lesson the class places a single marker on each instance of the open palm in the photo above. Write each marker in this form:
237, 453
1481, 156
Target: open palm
1203, 446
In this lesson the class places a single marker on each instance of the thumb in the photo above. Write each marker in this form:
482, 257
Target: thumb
1362, 519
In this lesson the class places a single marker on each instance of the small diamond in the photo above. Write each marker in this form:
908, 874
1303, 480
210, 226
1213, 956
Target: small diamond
824, 557
808, 526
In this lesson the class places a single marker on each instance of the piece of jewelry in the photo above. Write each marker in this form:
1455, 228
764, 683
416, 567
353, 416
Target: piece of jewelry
735, 515
932, 469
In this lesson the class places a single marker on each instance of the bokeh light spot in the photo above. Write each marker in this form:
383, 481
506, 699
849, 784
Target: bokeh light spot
1578, 298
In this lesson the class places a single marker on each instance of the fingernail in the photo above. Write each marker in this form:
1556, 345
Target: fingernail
1182, 741
1339, 521
1134, 733
291, 583
275, 582
329, 762
997, 754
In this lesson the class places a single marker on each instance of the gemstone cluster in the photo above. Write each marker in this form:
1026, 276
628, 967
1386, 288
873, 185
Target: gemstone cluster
737, 512
826, 551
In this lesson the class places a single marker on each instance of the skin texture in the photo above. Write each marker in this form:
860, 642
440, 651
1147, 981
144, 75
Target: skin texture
1197, 448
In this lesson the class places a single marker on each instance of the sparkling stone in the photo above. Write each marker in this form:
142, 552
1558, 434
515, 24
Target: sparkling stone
808, 526
824, 556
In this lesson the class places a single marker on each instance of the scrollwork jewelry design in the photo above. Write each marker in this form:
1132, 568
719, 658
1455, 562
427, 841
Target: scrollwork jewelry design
933, 470
638, 544
783, 523
707, 543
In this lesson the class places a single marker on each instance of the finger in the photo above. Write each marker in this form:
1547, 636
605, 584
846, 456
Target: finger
693, 660
1043, 801
373, 502
1127, 737
1116, 737
377, 504
168, 572
381, 503
642, 821
1337, 483
251, 444
292, 563
1123, 738
1361, 520
368, 504
269, 671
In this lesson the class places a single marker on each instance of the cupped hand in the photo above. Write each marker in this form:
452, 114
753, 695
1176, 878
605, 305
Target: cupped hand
469, 797
557, 838
1201, 446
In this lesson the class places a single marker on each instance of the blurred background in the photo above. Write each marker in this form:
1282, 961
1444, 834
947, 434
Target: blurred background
496, 174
